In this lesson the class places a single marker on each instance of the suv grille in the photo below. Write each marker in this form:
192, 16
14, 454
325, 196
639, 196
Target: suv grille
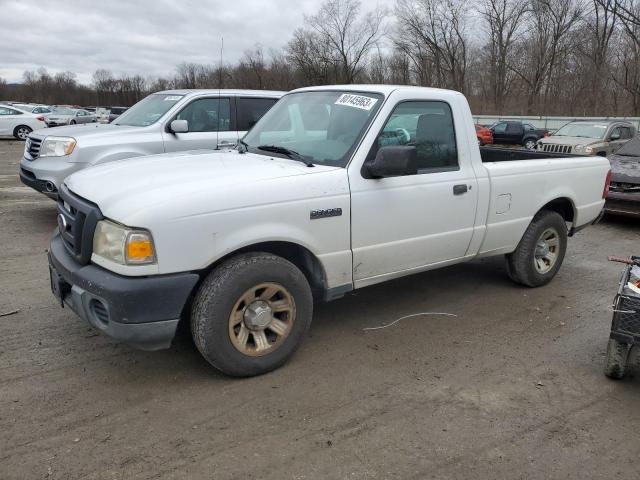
77, 219
32, 147
555, 148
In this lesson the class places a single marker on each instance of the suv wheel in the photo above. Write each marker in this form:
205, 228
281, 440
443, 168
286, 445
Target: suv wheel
530, 143
251, 313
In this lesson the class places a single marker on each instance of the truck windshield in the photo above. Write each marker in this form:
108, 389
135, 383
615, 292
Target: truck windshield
148, 110
319, 127
587, 130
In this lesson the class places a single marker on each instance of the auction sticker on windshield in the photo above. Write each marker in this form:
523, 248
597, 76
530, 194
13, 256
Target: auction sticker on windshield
357, 101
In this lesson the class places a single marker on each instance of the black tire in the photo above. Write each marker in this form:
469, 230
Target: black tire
616, 361
521, 264
529, 143
21, 132
72, 122
220, 293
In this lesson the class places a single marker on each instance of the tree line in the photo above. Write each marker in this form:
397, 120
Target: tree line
514, 57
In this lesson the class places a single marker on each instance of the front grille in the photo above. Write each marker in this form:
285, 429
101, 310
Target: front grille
555, 148
33, 148
625, 187
77, 219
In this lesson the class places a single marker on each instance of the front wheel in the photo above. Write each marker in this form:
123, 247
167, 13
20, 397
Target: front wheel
72, 122
251, 313
22, 132
538, 256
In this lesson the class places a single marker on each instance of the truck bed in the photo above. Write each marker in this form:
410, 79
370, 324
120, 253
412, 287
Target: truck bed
499, 154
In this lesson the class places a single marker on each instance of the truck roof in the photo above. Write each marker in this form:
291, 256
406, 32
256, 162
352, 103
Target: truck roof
223, 91
384, 89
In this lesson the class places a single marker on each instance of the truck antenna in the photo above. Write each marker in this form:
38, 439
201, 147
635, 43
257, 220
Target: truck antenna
219, 92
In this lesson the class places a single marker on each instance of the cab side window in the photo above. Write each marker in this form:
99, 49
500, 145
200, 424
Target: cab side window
207, 115
500, 127
429, 127
9, 111
250, 110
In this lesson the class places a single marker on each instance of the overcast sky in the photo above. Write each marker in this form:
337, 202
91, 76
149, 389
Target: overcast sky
148, 37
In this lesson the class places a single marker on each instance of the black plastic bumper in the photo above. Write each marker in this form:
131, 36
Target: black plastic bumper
29, 179
141, 311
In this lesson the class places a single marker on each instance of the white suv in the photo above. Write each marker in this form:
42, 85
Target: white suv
169, 121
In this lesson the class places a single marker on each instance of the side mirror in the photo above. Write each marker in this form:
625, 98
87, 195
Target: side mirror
179, 126
615, 136
393, 161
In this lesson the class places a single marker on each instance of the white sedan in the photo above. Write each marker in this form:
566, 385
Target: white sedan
18, 123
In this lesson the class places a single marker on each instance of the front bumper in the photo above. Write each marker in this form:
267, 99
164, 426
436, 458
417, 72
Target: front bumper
141, 311
625, 204
47, 174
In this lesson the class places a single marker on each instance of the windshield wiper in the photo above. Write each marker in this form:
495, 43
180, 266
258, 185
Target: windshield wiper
293, 155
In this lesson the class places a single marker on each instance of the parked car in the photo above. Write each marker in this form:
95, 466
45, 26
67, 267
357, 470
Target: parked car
313, 203
169, 121
68, 116
485, 137
624, 193
115, 112
34, 108
588, 138
19, 123
512, 132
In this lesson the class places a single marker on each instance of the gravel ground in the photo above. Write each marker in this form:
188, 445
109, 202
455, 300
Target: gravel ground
512, 387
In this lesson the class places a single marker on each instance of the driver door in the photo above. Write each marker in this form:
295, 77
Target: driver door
409, 222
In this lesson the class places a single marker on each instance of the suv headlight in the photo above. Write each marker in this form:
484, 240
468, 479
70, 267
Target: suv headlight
57, 146
123, 245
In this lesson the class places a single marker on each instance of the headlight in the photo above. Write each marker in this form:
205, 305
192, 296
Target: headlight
57, 146
126, 246
588, 150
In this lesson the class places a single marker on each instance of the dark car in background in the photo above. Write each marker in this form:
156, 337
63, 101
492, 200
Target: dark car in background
515, 132
624, 192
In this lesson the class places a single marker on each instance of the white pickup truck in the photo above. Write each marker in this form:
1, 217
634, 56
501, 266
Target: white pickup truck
335, 188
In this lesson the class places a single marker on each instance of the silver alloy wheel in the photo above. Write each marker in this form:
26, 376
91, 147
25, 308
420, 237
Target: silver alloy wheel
261, 319
547, 248
530, 144
23, 133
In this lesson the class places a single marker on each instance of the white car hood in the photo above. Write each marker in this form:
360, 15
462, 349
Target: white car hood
170, 186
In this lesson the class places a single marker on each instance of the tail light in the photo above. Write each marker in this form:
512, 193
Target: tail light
607, 184
40, 117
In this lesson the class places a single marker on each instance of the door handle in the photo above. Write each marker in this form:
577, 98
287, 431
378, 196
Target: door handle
459, 189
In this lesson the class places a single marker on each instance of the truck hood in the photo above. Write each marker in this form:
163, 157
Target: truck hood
552, 140
87, 130
172, 185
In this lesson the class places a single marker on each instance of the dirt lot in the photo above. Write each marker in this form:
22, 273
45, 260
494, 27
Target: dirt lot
510, 388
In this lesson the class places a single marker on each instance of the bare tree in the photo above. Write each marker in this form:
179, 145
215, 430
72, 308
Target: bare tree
503, 22
339, 37
432, 34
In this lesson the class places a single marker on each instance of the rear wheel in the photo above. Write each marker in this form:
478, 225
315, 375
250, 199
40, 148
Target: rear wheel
529, 143
616, 363
540, 252
21, 132
251, 313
